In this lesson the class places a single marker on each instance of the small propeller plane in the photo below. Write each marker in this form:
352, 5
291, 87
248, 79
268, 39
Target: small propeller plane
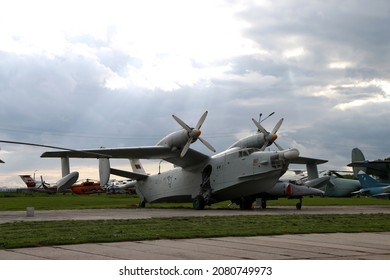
242, 170
62, 185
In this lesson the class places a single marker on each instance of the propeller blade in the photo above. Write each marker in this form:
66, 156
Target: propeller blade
182, 124
186, 147
277, 126
279, 147
207, 144
193, 133
260, 127
201, 120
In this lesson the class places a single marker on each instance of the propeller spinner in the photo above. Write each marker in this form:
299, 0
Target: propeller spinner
193, 133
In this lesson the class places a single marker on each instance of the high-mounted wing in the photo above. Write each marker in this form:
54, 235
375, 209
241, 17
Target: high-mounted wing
375, 167
311, 165
192, 157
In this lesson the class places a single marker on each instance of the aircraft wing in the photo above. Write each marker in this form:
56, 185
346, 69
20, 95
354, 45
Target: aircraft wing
192, 157
375, 167
306, 160
128, 174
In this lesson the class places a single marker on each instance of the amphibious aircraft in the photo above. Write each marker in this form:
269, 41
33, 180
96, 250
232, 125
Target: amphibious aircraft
379, 168
241, 170
372, 187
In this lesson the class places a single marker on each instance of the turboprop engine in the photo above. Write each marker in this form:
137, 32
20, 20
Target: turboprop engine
260, 140
182, 139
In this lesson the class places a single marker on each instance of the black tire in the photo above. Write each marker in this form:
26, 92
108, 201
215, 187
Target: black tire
246, 203
298, 206
198, 203
263, 203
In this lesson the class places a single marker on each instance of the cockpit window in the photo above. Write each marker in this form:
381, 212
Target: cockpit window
246, 152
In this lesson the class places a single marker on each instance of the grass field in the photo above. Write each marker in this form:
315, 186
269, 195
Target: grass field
13, 201
31, 234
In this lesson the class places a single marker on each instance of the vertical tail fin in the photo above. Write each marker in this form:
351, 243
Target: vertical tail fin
357, 155
367, 182
137, 166
28, 181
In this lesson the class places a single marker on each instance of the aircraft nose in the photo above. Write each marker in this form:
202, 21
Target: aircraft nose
274, 137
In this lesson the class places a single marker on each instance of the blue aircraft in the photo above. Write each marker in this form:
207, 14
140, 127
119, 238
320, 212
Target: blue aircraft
372, 187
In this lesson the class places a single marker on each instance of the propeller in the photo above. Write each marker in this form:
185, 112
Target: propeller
193, 133
43, 183
269, 137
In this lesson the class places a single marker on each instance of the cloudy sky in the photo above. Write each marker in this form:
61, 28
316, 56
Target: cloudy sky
86, 74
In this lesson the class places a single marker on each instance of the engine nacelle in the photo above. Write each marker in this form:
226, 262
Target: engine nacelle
176, 140
253, 141
289, 154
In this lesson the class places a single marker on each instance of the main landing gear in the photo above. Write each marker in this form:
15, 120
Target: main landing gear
263, 203
299, 204
199, 203
204, 196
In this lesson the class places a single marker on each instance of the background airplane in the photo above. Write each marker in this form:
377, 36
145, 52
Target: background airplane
372, 187
338, 186
291, 190
61, 186
379, 168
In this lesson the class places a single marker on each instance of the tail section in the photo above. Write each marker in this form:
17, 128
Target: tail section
367, 182
357, 156
137, 166
30, 182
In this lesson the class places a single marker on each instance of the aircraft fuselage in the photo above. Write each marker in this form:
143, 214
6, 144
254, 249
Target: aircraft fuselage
228, 175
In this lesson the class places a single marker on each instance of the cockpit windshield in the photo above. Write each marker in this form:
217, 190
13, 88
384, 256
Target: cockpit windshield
246, 152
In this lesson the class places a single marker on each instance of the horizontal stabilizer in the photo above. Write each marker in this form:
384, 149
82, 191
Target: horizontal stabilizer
128, 174
382, 195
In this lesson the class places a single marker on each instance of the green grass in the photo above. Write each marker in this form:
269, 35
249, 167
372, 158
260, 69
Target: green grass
15, 202
32, 234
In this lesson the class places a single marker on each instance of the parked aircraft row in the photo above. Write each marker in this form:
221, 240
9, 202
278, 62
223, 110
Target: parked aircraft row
243, 173
81, 187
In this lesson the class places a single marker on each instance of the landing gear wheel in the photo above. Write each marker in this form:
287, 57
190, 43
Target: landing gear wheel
142, 204
246, 203
198, 203
298, 205
263, 203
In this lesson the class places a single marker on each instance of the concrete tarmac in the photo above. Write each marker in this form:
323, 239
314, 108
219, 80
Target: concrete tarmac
300, 246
